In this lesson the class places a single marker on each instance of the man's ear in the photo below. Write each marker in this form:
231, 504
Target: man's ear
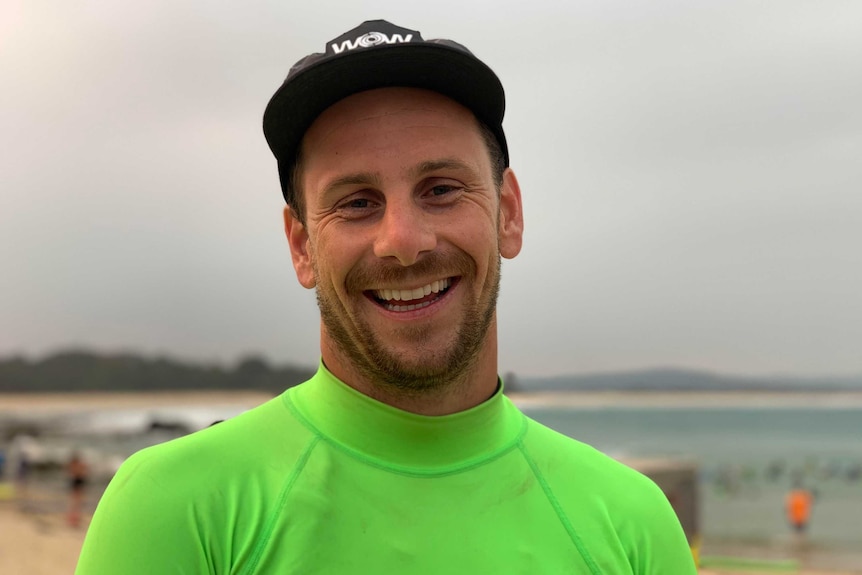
511, 216
297, 239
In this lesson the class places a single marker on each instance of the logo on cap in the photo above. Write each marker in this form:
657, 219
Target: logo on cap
368, 40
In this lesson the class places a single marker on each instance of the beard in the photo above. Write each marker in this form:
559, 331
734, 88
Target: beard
436, 367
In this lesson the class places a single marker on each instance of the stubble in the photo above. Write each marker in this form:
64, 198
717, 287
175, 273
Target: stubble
438, 366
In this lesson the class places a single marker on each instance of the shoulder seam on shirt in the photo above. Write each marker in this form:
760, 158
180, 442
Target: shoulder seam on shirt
282, 497
558, 509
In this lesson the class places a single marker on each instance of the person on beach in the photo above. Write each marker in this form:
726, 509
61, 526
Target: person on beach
798, 504
22, 475
78, 472
401, 454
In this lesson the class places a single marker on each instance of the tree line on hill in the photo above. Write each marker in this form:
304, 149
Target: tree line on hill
73, 371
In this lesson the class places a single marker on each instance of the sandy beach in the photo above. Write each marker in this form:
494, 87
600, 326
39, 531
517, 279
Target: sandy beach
35, 538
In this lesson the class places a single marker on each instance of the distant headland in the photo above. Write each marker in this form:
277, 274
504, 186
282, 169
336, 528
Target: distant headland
91, 371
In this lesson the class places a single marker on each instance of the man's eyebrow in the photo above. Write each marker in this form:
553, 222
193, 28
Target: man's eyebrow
373, 179
442, 164
357, 179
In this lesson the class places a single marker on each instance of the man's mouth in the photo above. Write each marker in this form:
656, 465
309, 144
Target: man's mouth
411, 299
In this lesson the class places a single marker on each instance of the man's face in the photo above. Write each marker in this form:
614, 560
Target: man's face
403, 236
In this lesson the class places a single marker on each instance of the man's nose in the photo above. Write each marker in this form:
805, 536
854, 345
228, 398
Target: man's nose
405, 232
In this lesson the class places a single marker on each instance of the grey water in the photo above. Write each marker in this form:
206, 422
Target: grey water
748, 459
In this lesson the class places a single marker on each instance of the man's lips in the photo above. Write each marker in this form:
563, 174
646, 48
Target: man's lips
396, 299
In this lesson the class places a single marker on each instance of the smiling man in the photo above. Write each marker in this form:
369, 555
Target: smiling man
402, 236
401, 455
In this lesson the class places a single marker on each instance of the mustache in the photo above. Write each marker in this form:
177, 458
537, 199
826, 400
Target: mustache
433, 265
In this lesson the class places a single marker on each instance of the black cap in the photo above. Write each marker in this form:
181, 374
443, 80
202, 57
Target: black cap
377, 54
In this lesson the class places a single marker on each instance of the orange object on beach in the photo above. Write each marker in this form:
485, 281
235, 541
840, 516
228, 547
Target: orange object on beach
799, 507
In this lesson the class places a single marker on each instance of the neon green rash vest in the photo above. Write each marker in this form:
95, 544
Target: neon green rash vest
325, 480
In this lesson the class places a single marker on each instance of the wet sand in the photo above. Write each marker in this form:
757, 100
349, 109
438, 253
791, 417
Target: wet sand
779, 557
761, 572
35, 538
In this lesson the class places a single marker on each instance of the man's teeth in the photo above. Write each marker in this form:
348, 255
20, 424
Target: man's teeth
412, 294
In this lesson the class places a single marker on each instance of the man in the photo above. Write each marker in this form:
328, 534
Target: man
401, 455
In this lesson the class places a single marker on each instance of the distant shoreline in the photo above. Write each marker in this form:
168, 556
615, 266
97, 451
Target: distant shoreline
44, 403
76, 401
685, 399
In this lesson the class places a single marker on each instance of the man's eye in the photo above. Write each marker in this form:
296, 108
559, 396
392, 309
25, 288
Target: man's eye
357, 207
442, 190
356, 204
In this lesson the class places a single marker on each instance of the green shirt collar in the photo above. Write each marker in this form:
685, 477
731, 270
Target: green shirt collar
388, 436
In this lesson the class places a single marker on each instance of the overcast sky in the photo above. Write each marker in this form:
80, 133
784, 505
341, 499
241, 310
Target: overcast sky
691, 172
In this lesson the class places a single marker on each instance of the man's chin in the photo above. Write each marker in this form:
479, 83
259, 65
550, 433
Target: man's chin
413, 373
403, 368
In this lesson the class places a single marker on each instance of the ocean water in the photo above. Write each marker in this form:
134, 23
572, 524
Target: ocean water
748, 459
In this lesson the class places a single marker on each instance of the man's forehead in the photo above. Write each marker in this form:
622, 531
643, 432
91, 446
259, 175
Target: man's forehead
381, 104
363, 121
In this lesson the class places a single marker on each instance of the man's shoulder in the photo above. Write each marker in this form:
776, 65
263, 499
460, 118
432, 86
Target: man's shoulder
255, 441
210, 491
607, 502
570, 465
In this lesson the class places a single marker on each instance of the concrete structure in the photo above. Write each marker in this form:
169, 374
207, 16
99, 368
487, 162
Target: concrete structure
679, 481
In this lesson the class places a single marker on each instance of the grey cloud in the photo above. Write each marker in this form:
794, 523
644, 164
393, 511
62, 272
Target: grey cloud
690, 177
